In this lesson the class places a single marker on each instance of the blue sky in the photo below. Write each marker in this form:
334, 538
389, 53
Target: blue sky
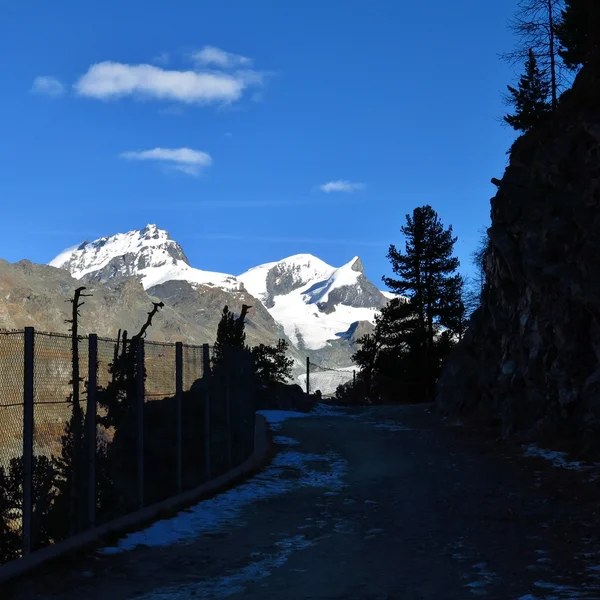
223, 123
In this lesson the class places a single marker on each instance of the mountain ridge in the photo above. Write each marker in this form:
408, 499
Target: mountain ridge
316, 306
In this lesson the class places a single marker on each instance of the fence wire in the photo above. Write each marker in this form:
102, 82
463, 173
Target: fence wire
52, 392
160, 370
192, 365
11, 396
87, 471
11, 443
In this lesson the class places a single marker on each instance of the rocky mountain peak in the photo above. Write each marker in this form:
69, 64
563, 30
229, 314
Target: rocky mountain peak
356, 264
312, 302
148, 255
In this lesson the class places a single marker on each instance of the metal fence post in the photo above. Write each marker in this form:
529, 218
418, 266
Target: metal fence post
228, 427
205, 360
206, 432
307, 375
28, 424
90, 426
179, 412
140, 393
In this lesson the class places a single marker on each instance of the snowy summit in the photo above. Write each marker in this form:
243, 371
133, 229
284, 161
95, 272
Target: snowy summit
148, 254
314, 302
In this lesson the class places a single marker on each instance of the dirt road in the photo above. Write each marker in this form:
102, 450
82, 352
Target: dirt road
368, 504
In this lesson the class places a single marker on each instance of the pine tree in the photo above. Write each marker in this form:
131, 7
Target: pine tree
530, 99
578, 33
535, 27
11, 504
230, 334
10, 540
118, 398
427, 276
271, 363
388, 357
63, 518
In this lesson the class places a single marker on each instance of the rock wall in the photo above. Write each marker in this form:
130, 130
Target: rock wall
529, 364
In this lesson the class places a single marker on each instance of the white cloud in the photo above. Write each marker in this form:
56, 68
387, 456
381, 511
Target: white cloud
341, 185
183, 159
48, 85
211, 56
110, 80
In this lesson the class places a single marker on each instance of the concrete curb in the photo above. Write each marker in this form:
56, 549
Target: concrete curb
130, 522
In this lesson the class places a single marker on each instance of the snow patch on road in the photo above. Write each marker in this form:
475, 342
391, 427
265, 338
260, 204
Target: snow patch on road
283, 440
276, 417
567, 592
235, 582
558, 459
326, 410
225, 509
485, 577
392, 426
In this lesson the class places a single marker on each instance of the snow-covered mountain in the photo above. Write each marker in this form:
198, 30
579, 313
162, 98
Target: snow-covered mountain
314, 302
149, 255
321, 308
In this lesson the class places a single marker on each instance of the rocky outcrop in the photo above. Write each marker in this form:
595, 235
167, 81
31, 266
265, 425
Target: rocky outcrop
529, 363
360, 294
36, 295
203, 305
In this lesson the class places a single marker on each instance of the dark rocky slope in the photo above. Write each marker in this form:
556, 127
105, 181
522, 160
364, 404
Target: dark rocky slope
529, 364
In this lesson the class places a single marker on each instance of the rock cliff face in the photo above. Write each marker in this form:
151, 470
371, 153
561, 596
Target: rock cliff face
530, 362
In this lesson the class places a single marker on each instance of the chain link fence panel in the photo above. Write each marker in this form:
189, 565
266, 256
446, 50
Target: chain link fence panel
12, 346
192, 365
89, 471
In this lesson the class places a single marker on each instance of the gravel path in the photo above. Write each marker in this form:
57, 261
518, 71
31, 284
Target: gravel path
365, 504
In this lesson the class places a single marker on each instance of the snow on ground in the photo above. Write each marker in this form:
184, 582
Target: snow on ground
225, 509
558, 459
235, 582
325, 410
392, 426
283, 440
276, 417
483, 578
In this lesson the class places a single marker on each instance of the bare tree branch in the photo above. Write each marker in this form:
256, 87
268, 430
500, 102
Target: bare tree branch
534, 25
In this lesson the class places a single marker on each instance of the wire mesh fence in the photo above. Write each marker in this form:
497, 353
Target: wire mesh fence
11, 442
94, 428
193, 363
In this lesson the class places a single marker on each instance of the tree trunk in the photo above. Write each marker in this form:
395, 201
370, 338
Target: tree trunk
552, 53
77, 415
